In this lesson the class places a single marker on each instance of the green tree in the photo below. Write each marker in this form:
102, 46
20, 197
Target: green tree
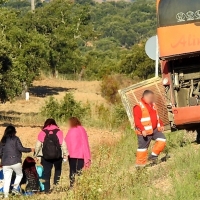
63, 24
64, 36
21, 55
137, 63
2, 1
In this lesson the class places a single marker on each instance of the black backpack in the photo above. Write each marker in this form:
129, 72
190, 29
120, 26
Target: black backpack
51, 148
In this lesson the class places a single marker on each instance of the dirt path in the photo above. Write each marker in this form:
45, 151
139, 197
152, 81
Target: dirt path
28, 135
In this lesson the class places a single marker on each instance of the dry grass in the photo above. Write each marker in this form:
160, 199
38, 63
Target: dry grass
84, 91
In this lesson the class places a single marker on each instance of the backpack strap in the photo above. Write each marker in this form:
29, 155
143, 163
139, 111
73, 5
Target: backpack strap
46, 132
55, 131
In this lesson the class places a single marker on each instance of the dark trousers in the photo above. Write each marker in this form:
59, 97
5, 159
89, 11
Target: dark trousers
75, 167
144, 142
48, 165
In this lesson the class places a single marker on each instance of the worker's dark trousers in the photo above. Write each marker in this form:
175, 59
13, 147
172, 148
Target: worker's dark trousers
143, 144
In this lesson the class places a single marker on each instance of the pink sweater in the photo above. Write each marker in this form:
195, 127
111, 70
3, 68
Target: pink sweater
77, 144
42, 134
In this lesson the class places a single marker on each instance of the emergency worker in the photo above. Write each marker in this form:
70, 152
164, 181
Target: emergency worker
148, 127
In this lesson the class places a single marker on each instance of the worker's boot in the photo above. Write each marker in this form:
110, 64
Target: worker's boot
153, 159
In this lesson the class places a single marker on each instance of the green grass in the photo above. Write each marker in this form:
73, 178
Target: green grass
113, 176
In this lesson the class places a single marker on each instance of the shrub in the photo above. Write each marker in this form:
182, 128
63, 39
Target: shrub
64, 109
112, 83
109, 89
105, 117
120, 114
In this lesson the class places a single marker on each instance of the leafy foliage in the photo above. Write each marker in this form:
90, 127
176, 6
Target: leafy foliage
2, 1
112, 83
46, 40
64, 109
137, 63
21, 55
128, 23
120, 25
67, 36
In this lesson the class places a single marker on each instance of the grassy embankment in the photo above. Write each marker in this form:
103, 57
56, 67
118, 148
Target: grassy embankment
113, 176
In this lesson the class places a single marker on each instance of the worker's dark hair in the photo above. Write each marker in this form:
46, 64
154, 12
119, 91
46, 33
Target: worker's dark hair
146, 92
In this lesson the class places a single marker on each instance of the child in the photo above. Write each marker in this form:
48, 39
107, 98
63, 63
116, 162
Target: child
31, 175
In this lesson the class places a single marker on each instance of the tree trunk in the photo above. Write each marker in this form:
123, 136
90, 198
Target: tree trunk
33, 5
80, 76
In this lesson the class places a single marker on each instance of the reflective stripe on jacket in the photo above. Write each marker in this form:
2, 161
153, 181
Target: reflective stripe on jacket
146, 119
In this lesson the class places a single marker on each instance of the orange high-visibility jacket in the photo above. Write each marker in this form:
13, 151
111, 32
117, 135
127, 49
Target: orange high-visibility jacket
146, 119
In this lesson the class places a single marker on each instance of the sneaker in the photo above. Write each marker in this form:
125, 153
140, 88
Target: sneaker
15, 192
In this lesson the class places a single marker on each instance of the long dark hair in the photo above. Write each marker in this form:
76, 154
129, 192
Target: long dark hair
9, 132
29, 166
49, 122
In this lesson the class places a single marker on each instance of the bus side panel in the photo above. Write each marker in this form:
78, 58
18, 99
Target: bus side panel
186, 115
178, 40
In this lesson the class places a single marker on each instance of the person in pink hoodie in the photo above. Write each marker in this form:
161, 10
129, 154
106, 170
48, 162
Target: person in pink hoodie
51, 147
78, 149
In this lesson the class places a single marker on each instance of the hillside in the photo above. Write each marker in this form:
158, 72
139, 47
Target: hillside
108, 39
112, 175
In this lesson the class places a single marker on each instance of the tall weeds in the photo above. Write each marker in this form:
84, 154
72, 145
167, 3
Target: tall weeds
111, 117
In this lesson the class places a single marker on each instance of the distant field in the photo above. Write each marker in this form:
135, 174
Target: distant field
84, 91
22, 113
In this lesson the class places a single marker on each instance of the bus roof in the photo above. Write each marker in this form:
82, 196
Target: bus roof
176, 12
178, 27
